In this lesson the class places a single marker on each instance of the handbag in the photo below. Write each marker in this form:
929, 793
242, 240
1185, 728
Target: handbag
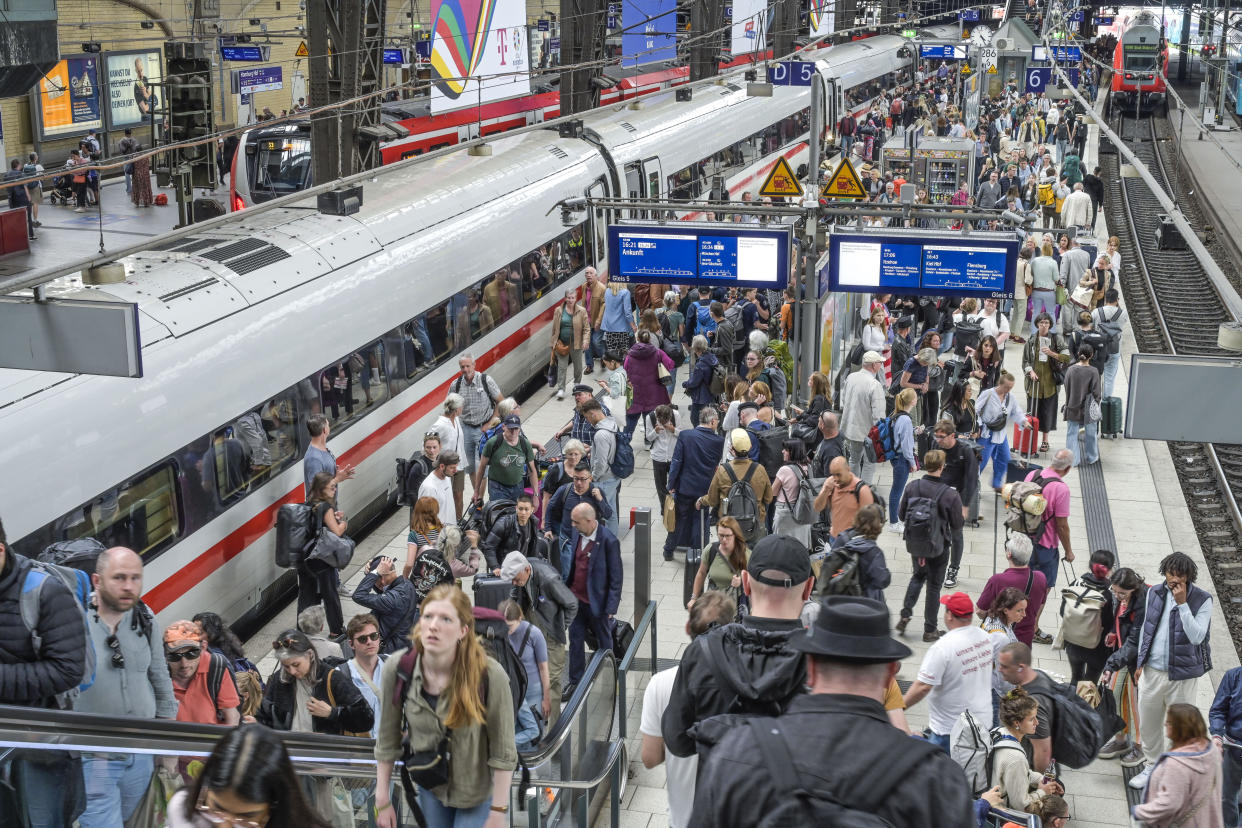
560, 348
662, 371
670, 514
333, 549
1081, 297
152, 810
1061, 294
429, 768
551, 374
1094, 414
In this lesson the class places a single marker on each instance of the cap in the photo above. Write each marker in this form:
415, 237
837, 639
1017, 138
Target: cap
905, 322
512, 421
740, 441
959, 604
872, 358
180, 634
582, 388
513, 563
782, 554
851, 628
748, 406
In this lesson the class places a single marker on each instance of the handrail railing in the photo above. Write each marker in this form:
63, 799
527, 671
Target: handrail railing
613, 773
555, 739
645, 624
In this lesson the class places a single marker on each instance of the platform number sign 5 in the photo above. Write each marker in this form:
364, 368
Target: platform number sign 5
791, 73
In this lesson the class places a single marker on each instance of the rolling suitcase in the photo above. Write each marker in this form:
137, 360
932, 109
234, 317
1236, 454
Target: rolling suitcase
1110, 417
694, 555
489, 591
1025, 443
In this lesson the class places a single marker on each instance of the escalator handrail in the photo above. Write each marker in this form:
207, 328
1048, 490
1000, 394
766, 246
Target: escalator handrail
554, 740
646, 621
617, 752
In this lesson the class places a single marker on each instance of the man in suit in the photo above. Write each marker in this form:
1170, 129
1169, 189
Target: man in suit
595, 578
695, 457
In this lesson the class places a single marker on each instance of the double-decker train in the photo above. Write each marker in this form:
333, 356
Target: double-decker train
1140, 63
252, 321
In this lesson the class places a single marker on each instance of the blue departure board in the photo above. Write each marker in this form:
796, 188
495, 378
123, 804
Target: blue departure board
700, 254
950, 264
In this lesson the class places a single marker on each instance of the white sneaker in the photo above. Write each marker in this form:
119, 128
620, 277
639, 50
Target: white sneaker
79, 210
1140, 781
560, 393
898, 527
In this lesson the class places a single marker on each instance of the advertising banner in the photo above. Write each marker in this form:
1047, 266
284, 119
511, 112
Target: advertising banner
822, 17
133, 87
478, 52
749, 24
68, 99
649, 31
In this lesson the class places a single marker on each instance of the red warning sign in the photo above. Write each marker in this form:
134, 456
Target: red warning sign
781, 182
844, 183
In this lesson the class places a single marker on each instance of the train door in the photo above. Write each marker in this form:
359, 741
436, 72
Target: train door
651, 169
599, 223
634, 188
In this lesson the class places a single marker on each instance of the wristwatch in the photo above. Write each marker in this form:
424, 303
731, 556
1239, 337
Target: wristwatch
501, 809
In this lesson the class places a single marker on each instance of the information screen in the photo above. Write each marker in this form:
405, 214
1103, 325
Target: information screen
922, 265
699, 254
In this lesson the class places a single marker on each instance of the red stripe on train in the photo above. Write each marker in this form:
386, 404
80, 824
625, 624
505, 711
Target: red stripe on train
164, 594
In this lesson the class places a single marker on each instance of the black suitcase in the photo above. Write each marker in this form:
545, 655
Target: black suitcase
1019, 469
1110, 417
694, 556
923, 443
489, 591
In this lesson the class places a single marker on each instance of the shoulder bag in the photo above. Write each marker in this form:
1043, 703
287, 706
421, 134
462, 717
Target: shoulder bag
330, 548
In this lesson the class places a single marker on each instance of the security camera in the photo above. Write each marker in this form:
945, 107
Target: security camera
1010, 217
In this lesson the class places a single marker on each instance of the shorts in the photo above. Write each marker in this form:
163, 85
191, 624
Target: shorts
459, 482
1047, 561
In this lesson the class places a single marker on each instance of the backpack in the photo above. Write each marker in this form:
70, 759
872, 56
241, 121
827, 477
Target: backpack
485, 436
1027, 507
80, 553
493, 634
1099, 348
494, 511
770, 441
733, 315
841, 571
294, 533
703, 318
1078, 730
410, 476
216, 668
669, 344
1044, 194
1082, 606
803, 506
1111, 329
622, 462
719, 375
925, 526
800, 801
966, 334
740, 503
972, 746
430, 570
879, 441
487, 389
77, 582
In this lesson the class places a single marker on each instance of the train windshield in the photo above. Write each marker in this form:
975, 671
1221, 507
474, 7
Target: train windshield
1141, 61
278, 166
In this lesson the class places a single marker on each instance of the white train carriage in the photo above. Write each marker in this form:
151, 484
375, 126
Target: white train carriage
253, 321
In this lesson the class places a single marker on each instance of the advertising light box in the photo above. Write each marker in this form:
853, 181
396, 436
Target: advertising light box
948, 265
699, 254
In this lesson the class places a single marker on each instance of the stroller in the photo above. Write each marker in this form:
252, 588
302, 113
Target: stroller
62, 190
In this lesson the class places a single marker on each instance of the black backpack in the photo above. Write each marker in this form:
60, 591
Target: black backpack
1078, 730
841, 573
410, 476
493, 634
741, 503
966, 334
295, 533
802, 801
925, 528
771, 441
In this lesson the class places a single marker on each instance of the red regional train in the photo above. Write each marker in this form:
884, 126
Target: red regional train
1140, 63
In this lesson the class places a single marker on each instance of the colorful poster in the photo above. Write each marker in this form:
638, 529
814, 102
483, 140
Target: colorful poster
68, 99
133, 87
478, 52
649, 31
750, 18
822, 17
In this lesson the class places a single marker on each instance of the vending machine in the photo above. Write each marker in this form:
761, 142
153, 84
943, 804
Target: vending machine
938, 164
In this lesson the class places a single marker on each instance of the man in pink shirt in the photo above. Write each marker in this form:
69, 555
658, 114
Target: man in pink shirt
1018, 551
1056, 528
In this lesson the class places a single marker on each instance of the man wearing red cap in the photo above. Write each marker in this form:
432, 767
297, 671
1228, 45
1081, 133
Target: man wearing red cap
956, 673
201, 682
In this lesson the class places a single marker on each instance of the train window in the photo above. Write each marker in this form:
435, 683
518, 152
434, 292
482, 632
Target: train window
268, 438
140, 514
695, 181
280, 165
536, 275
437, 327
472, 318
575, 247
353, 385
501, 296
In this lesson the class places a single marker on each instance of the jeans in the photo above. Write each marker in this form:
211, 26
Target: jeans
999, 455
115, 784
1061, 151
930, 570
1231, 780
859, 464
470, 447
688, 531
1110, 375
585, 618
597, 347
439, 815
50, 790
901, 473
1043, 301
1046, 560
609, 489
1090, 448
527, 725
499, 491
940, 740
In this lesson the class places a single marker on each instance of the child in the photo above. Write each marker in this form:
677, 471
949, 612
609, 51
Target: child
532, 649
616, 383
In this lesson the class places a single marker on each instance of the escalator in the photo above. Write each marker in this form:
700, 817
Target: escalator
578, 764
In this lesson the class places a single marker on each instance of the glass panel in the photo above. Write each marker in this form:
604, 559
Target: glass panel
140, 514
279, 166
437, 327
351, 387
502, 296
536, 275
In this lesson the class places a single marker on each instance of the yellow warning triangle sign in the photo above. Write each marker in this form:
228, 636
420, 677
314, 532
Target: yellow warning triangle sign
991, 70
844, 183
781, 182
302, 50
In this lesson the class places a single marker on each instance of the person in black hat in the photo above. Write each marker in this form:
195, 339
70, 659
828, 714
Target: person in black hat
390, 597
836, 739
578, 428
746, 666
903, 340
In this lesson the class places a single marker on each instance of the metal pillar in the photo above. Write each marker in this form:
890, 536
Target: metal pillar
583, 29
784, 27
706, 17
808, 346
1183, 57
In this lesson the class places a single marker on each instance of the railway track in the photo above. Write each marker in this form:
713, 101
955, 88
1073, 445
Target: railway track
1175, 309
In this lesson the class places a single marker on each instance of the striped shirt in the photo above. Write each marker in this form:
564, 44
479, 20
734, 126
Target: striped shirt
480, 401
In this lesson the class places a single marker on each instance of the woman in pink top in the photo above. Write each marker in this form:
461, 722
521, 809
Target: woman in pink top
786, 483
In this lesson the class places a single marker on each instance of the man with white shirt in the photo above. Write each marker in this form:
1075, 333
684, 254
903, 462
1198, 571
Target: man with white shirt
366, 668
956, 673
712, 609
439, 485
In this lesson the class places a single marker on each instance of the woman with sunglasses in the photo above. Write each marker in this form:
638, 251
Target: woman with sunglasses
248, 781
304, 695
457, 704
